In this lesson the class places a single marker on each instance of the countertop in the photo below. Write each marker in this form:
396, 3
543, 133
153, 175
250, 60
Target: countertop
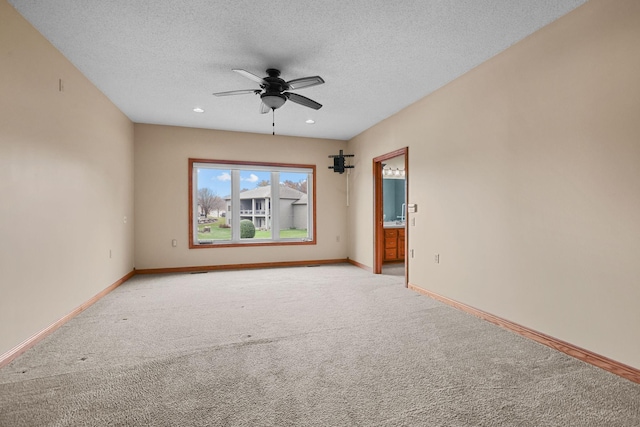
393, 224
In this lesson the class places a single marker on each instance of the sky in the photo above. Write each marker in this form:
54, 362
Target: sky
219, 180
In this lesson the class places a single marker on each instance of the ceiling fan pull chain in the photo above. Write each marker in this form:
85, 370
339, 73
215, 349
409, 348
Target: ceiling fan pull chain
273, 120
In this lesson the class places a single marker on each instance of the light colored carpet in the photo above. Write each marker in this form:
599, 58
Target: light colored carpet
308, 346
394, 269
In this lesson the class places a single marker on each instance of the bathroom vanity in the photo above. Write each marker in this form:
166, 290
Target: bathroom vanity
393, 242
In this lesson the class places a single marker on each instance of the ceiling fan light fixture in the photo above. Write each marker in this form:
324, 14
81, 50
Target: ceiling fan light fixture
273, 100
310, 121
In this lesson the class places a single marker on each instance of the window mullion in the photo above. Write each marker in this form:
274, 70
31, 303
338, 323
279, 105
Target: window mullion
275, 205
235, 205
194, 196
310, 207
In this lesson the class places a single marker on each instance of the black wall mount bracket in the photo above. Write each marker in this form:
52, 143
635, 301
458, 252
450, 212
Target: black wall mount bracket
339, 165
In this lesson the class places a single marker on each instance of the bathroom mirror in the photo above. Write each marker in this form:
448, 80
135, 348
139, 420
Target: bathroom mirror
393, 192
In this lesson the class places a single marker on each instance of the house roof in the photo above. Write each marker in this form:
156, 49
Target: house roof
302, 200
157, 60
265, 192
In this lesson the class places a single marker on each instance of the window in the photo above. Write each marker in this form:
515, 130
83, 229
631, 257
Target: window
250, 203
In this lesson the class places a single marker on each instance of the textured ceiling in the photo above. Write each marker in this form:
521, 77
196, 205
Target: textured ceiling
158, 59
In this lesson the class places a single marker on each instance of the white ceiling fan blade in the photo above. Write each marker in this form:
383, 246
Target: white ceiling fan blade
305, 82
302, 100
236, 92
250, 76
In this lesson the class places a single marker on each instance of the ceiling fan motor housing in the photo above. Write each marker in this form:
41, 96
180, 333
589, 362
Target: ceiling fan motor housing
273, 87
273, 82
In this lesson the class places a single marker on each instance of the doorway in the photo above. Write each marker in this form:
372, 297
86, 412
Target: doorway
391, 173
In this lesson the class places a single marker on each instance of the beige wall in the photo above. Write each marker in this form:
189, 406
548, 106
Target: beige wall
66, 183
526, 172
161, 194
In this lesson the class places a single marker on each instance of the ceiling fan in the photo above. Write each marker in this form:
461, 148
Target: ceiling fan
274, 90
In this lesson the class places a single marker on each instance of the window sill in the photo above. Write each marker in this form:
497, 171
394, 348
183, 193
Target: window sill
252, 243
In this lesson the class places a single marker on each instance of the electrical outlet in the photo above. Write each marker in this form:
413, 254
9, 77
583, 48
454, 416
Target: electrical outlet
174, 243
411, 253
437, 259
413, 221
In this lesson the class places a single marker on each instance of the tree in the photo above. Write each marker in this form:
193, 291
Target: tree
208, 201
263, 183
300, 186
219, 203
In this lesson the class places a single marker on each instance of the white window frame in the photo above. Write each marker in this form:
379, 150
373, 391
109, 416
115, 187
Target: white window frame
235, 167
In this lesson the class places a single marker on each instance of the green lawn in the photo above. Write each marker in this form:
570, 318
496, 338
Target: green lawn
293, 233
218, 233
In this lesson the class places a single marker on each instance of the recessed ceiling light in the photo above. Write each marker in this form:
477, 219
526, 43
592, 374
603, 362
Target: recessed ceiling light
198, 110
310, 122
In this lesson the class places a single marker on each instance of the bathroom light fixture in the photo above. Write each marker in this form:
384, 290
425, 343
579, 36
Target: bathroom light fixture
393, 172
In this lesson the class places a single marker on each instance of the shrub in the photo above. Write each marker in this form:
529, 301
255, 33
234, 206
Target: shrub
247, 229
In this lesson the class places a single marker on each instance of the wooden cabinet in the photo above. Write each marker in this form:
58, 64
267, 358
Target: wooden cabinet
393, 244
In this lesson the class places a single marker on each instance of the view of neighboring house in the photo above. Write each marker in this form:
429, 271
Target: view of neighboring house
255, 205
214, 213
